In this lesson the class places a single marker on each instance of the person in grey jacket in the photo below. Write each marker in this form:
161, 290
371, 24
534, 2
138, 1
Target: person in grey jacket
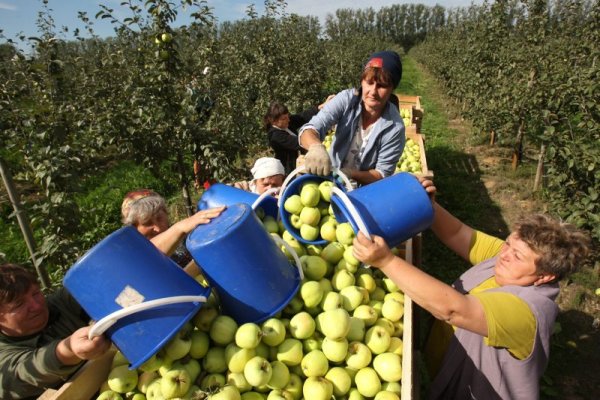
491, 338
369, 136
43, 340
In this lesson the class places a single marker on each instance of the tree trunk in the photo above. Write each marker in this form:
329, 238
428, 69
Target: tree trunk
540, 168
23, 224
183, 181
492, 137
517, 156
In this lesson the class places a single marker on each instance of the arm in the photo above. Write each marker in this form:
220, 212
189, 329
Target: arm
363, 177
168, 240
451, 231
441, 300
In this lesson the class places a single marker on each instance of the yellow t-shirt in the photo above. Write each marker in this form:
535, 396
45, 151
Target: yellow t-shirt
510, 322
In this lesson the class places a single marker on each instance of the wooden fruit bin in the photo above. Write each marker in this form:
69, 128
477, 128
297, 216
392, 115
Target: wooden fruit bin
84, 384
417, 111
420, 140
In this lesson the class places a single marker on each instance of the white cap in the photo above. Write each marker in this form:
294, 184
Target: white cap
267, 166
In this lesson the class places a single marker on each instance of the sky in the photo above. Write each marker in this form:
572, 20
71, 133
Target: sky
19, 16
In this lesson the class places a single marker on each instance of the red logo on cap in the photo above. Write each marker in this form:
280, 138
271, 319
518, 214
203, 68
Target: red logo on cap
376, 62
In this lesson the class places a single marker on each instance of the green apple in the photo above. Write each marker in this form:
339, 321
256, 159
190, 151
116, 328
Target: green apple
388, 366
154, 390
290, 352
386, 395
293, 204
248, 335
258, 371
397, 295
294, 386
311, 293
294, 306
366, 313
398, 328
354, 394
310, 195
357, 330
227, 392
270, 224
273, 332
215, 361
151, 364
332, 252
342, 278
313, 249
252, 396
367, 382
279, 394
175, 383
145, 379
310, 216
237, 357
349, 256
192, 365
314, 267
309, 232
295, 221
340, 379
311, 343
386, 324
122, 380
222, 331
390, 286
331, 300
179, 346
394, 387
327, 231
280, 375
238, 380
205, 317
212, 381
166, 37
200, 343
119, 359
335, 323
302, 325
352, 297
314, 363
377, 339
109, 395
392, 310
344, 233
359, 355
396, 345
325, 190
378, 293
326, 283
335, 349
317, 388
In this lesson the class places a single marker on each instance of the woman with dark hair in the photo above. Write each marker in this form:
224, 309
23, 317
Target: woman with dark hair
282, 128
369, 136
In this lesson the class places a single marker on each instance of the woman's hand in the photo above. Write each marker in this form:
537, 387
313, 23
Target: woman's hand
429, 187
372, 252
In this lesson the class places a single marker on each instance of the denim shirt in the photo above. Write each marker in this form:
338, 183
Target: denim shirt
385, 143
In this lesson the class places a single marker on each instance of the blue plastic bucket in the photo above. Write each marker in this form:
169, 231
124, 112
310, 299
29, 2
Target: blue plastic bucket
395, 208
251, 276
124, 272
293, 188
220, 194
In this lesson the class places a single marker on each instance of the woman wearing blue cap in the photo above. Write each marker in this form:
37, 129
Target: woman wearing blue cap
369, 136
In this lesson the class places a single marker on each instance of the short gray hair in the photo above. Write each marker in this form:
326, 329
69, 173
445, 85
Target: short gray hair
141, 206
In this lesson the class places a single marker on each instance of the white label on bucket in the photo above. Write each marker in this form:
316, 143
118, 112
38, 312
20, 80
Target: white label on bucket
129, 297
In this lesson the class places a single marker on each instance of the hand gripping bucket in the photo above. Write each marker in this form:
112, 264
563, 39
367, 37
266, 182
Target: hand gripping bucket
220, 194
251, 276
395, 208
136, 294
290, 188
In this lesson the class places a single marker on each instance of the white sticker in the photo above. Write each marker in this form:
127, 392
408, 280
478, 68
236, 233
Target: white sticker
129, 297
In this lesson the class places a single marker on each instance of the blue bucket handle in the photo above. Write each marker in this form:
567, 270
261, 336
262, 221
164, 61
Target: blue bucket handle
302, 168
268, 192
105, 323
292, 252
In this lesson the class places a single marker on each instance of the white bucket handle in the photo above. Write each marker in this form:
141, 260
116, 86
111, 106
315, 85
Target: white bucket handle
352, 210
260, 198
302, 168
105, 323
292, 252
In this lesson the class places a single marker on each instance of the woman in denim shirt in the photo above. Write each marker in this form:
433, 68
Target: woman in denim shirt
369, 137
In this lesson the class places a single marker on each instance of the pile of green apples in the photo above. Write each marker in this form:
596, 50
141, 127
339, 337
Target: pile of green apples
340, 335
328, 139
310, 211
410, 160
405, 115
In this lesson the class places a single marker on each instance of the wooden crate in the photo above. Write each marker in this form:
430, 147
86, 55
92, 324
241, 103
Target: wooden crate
410, 373
414, 104
420, 140
84, 384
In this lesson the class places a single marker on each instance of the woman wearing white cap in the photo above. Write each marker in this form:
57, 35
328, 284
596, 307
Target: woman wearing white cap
267, 173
